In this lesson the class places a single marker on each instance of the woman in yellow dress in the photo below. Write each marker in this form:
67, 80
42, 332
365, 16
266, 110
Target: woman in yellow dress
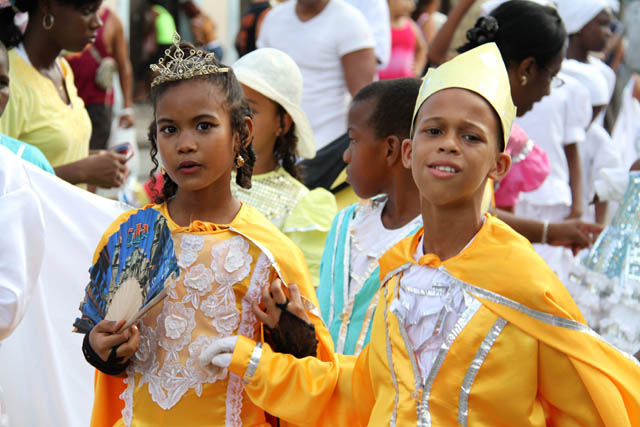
44, 109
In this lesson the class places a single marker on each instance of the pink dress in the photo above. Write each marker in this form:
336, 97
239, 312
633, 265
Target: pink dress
403, 50
529, 168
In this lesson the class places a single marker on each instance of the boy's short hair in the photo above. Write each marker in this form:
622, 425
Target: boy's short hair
395, 100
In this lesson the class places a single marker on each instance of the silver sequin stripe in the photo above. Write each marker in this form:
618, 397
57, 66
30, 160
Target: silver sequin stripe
253, 363
394, 414
478, 360
538, 315
424, 419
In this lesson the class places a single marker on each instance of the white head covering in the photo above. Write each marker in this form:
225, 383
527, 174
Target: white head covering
577, 13
275, 75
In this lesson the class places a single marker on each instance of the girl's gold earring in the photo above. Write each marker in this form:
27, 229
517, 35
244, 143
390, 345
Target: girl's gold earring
239, 161
163, 171
523, 80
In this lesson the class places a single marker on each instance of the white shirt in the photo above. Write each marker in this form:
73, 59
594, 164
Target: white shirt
45, 378
317, 46
370, 239
597, 77
559, 119
429, 303
377, 14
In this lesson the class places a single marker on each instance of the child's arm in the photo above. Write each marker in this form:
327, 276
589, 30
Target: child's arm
321, 390
439, 48
575, 179
108, 350
420, 57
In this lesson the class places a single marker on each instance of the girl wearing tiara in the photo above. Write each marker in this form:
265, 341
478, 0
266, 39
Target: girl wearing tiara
227, 252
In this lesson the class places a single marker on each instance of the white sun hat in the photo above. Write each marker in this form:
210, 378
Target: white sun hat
275, 75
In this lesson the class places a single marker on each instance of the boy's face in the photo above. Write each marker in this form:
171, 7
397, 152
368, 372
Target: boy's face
4, 78
365, 155
455, 148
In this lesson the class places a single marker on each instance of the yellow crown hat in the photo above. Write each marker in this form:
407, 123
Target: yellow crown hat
480, 70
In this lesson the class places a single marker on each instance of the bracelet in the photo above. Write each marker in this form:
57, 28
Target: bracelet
545, 232
127, 111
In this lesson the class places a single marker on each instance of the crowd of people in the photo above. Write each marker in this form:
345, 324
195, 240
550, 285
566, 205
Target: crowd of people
374, 223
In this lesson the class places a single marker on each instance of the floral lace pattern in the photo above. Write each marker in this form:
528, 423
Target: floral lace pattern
190, 244
198, 283
168, 356
231, 261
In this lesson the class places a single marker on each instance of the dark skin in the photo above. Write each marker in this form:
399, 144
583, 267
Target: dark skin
104, 169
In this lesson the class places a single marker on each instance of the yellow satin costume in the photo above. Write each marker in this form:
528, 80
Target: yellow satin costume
223, 270
521, 354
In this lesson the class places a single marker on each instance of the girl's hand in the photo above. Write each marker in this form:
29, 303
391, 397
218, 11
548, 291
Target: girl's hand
219, 352
104, 336
274, 296
106, 169
573, 234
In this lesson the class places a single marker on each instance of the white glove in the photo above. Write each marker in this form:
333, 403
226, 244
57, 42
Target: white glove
219, 352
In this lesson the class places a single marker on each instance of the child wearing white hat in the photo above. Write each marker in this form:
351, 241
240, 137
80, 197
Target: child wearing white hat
272, 83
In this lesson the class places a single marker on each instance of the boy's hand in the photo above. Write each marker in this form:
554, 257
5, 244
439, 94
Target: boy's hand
273, 296
103, 337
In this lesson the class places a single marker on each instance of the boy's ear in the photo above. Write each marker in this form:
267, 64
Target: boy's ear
501, 167
407, 152
393, 152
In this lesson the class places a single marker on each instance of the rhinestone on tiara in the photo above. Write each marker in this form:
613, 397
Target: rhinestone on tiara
179, 66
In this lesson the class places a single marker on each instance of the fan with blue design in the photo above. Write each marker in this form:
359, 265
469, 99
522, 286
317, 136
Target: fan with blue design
132, 272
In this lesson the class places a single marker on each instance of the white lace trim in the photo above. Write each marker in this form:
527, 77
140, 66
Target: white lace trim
169, 379
259, 279
127, 396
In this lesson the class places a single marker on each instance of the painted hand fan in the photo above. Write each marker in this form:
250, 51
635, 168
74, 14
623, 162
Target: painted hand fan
132, 272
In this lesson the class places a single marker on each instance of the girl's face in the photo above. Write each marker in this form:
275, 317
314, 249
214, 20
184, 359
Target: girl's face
194, 135
455, 148
4, 78
401, 7
266, 121
73, 27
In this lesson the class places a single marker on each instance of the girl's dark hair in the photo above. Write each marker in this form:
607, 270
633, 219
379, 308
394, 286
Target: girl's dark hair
521, 29
234, 103
11, 35
285, 148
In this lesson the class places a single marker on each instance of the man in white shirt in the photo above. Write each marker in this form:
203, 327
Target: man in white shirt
377, 14
332, 44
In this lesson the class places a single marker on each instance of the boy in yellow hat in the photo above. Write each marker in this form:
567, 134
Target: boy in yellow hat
472, 327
